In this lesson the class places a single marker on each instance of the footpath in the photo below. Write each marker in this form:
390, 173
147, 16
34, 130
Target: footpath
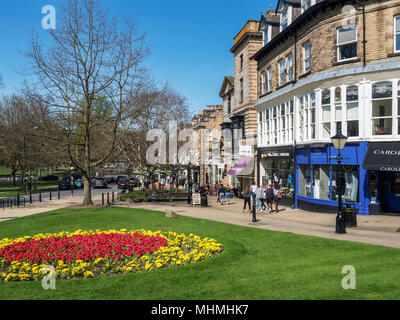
375, 230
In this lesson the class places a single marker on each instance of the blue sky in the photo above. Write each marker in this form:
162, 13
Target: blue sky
189, 40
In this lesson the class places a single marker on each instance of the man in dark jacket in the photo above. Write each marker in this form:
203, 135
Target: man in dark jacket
269, 197
222, 194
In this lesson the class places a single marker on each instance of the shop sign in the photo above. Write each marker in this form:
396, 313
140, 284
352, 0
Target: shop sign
246, 151
275, 155
196, 199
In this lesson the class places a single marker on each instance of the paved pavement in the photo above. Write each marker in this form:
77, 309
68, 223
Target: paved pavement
376, 230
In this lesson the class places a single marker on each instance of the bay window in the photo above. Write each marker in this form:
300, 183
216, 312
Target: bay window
352, 114
283, 122
307, 117
347, 43
301, 119
275, 125
290, 124
382, 121
398, 107
397, 33
338, 106
326, 113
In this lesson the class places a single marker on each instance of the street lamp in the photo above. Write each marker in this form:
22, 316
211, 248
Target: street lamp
190, 185
339, 141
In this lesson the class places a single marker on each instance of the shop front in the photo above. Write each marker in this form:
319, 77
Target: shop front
317, 174
383, 164
276, 166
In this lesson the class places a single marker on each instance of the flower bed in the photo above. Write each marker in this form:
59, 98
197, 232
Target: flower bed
86, 254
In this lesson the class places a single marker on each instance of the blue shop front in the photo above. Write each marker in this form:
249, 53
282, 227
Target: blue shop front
316, 176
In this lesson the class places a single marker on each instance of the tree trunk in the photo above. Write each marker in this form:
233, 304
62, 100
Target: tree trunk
87, 192
13, 172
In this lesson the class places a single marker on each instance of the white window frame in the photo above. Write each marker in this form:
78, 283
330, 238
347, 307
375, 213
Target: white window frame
267, 34
285, 19
264, 82
396, 33
305, 58
345, 43
282, 76
331, 121
346, 103
288, 67
394, 110
269, 79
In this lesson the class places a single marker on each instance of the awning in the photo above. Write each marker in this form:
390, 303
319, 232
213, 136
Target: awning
244, 167
383, 156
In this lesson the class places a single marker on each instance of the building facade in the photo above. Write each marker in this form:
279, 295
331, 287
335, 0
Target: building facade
207, 124
331, 66
239, 94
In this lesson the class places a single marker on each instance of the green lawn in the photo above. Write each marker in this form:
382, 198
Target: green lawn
255, 264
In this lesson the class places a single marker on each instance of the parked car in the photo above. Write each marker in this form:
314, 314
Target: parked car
118, 178
66, 185
99, 183
50, 177
123, 183
134, 182
110, 180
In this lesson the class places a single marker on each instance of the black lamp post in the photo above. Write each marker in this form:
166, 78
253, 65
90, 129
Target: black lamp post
190, 185
339, 141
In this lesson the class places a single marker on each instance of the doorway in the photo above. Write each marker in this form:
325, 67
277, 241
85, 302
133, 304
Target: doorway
389, 191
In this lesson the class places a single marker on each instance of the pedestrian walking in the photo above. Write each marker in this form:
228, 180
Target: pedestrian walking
259, 195
262, 199
269, 197
227, 193
246, 196
217, 187
277, 196
222, 194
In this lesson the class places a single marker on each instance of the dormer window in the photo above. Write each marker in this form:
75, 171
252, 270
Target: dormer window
285, 11
267, 32
306, 4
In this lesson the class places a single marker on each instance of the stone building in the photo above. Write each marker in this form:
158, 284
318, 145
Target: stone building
239, 94
331, 66
207, 123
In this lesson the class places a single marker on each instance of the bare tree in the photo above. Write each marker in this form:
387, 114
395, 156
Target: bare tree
159, 107
91, 57
21, 149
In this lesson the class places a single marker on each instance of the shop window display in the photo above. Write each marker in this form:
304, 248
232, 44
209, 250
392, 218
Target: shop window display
321, 182
352, 176
305, 181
